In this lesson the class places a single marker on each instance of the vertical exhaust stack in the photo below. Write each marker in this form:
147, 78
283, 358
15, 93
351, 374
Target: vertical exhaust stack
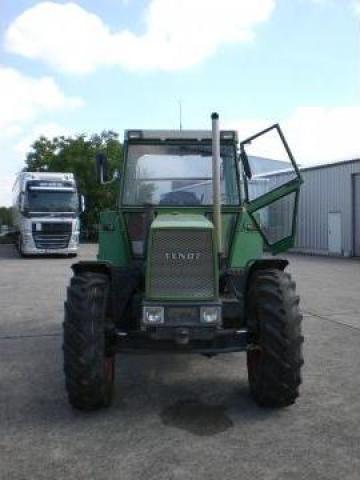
216, 180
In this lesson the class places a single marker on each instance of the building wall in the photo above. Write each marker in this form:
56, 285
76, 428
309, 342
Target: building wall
326, 189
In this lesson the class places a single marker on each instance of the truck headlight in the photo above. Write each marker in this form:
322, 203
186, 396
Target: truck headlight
153, 315
210, 314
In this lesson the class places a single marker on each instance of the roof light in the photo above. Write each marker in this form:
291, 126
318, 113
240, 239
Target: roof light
131, 134
227, 134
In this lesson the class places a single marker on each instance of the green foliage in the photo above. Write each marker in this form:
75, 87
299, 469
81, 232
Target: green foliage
5, 216
77, 155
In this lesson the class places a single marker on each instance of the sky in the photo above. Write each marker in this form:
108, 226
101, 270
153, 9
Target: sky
84, 66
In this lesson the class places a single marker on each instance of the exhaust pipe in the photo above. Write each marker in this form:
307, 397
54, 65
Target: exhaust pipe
216, 180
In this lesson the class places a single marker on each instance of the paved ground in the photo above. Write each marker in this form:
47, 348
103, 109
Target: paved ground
177, 417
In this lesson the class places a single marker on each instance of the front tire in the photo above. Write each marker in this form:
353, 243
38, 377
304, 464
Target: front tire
274, 356
89, 370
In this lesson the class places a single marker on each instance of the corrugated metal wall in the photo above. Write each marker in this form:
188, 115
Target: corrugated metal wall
326, 189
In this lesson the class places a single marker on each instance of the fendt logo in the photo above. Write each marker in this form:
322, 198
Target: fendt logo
185, 256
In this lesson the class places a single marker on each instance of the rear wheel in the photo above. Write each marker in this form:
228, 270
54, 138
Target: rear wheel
274, 357
89, 369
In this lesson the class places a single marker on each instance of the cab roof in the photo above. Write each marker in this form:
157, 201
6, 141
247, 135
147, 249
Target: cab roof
164, 135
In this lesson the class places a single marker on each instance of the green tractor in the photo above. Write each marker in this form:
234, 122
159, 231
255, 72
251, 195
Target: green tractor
186, 263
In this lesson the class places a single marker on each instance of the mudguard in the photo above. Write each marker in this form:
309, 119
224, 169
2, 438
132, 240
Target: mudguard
124, 281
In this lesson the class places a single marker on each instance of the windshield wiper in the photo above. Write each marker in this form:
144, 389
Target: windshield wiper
202, 151
194, 150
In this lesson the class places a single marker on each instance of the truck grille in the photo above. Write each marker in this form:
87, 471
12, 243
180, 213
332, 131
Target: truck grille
181, 265
52, 236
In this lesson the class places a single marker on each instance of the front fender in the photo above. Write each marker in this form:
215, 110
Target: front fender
265, 264
92, 266
124, 281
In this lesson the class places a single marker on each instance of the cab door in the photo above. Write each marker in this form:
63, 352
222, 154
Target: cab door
272, 183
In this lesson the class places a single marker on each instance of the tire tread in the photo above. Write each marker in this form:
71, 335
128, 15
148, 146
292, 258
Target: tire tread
274, 320
84, 341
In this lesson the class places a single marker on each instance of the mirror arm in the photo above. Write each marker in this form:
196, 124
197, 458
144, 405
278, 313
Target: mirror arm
115, 177
101, 167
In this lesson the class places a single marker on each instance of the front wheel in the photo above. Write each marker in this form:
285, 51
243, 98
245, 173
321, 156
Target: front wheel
274, 357
89, 369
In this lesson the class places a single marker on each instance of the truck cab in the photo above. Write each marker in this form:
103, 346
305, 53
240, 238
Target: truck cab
46, 212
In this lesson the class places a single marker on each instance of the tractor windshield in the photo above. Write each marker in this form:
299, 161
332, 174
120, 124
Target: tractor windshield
177, 175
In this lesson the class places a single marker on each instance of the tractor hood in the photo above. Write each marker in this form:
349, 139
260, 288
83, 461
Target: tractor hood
181, 220
181, 258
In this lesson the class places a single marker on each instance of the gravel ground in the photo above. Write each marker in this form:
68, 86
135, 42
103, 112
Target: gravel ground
177, 417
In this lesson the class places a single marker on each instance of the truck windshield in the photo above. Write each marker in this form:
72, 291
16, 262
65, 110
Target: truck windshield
177, 175
51, 201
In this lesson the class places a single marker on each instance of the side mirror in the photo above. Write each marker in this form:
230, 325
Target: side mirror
22, 202
245, 162
101, 167
82, 203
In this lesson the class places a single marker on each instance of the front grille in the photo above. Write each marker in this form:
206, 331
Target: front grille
51, 236
52, 227
181, 265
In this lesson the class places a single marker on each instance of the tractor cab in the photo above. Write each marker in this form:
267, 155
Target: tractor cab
171, 172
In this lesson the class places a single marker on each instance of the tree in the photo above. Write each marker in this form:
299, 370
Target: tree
77, 155
5, 216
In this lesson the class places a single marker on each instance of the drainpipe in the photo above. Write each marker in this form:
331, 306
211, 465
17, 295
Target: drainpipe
216, 180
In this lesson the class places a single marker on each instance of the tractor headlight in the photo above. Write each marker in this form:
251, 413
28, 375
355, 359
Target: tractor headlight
210, 314
153, 315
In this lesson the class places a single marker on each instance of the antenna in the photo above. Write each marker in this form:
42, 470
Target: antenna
180, 114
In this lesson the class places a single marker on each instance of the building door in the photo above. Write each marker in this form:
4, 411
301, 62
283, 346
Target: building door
334, 233
356, 215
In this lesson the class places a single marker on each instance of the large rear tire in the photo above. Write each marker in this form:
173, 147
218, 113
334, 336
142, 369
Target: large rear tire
89, 371
274, 357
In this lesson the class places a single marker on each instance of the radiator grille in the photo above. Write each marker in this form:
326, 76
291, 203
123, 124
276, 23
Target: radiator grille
52, 236
53, 227
181, 265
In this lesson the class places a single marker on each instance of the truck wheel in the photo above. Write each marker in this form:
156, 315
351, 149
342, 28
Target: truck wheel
89, 371
274, 357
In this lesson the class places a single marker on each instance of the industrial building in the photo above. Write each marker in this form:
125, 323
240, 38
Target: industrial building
329, 210
328, 220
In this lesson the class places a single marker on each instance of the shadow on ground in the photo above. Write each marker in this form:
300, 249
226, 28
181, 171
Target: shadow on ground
174, 387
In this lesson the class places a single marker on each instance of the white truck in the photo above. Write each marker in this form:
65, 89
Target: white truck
46, 208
